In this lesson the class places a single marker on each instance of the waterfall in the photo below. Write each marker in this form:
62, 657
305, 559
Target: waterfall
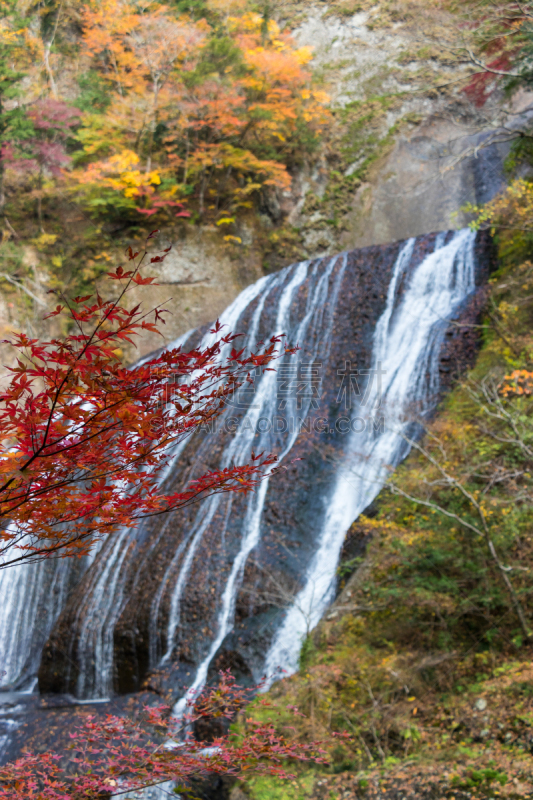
399, 299
313, 325
32, 596
95, 679
406, 349
403, 380
98, 617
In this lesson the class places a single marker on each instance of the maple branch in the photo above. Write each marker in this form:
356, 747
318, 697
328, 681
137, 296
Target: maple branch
485, 68
211, 489
71, 368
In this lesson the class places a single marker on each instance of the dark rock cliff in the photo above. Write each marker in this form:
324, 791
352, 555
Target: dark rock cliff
136, 604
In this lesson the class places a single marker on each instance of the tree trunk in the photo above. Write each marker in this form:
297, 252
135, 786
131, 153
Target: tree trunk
517, 605
53, 87
40, 199
153, 125
2, 168
186, 164
202, 193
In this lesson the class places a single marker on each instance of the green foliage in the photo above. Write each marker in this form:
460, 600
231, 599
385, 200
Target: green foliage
220, 55
11, 67
479, 777
271, 788
94, 92
105, 203
197, 9
362, 120
18, 126
306, 653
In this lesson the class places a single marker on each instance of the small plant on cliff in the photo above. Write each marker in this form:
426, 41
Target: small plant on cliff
85, 438
498, 37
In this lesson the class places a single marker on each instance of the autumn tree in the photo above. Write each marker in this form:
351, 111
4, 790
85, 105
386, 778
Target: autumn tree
491, 44
242, 134
498, 42
13, 55
85, 438
140, 54
216, 108
39, 148
25, 53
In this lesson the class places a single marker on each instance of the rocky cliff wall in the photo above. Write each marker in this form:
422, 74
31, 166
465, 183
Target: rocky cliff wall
148, 610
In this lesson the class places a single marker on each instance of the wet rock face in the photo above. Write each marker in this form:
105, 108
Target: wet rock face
135, 579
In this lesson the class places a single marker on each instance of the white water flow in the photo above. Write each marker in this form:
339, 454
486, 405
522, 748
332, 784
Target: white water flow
32, 598
406, 345
406, 349
315, 329
205, 514
97, 619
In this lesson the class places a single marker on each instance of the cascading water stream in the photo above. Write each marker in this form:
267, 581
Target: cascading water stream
32, 597
95, 647
403, 387
106, 592
205, 514
407, 343
106, 596
415, 297
241, 445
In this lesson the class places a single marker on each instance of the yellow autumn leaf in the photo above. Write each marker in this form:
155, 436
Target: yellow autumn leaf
303, 55
124, 160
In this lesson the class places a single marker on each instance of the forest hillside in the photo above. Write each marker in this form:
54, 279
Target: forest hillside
247, 136
251, 134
